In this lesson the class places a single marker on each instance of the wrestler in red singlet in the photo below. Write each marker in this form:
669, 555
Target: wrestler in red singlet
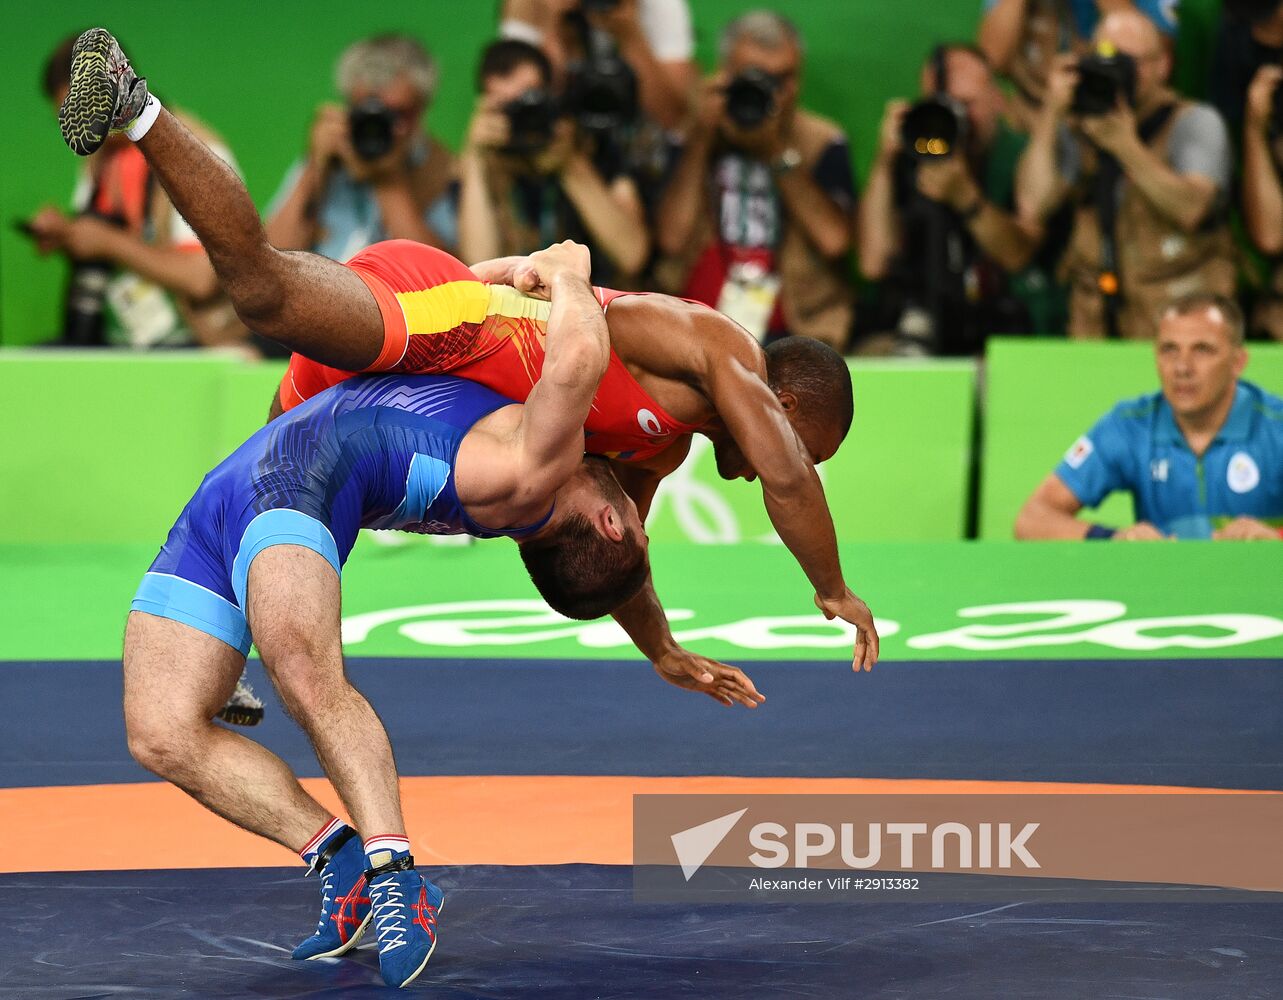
439, 317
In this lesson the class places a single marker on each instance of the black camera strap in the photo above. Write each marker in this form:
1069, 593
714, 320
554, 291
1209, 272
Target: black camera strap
1105, 195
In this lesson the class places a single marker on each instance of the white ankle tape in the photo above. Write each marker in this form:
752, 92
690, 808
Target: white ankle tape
143, 123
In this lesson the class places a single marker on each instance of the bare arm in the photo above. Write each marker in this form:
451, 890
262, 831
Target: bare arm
1262, 190
1184, 199
184, 272
682, 205
611, 213
1040, 186
791, 489
478, 220
663, 86
402, 215
550, 442
1050, 513
826, 224
999, 32
878, 223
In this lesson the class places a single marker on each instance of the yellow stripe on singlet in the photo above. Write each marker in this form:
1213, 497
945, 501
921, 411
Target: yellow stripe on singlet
507, 301
444, 307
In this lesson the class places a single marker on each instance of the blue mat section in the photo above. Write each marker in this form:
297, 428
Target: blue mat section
1215, 723
573, 932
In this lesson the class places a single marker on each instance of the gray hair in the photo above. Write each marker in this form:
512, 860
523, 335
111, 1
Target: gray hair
379, 61
1231, 312
760, 27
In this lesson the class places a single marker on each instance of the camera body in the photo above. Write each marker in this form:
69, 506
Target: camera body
531, 119
751, 98
1104, 77
372, 126
934, 128
601, 93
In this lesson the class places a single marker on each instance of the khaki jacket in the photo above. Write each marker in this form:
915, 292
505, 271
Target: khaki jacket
1158, 262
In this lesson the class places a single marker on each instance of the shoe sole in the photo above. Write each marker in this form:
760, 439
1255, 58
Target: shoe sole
240, 715
424, 964
347, 945
85, 115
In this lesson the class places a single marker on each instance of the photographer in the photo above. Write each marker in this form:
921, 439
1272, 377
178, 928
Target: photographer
532, 175
759, 210
937, 225
139, 277
1022, 37
653, 37
1148, 174
371, 172
1263, 189
1250, 36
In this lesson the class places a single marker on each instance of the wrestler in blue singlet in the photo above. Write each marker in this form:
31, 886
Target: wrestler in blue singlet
374, 452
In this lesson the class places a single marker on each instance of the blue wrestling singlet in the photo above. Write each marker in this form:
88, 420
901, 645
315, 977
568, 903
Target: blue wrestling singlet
372, 452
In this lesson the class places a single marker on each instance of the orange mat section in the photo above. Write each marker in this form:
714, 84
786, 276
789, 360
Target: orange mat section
470, 820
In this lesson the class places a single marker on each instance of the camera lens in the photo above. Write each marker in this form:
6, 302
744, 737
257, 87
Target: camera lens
372, 127
750, 98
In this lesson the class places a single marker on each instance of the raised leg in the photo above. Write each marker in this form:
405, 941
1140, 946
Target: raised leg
307, 302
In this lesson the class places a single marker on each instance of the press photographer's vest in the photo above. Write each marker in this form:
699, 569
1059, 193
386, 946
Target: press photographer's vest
1156, 261
815, 292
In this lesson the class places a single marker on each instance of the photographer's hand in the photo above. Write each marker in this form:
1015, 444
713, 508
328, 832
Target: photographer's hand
489, 128
890, 141
327, 136
553, 158
1115, 132
1062, 80
1260, 98
48, 228
949, 182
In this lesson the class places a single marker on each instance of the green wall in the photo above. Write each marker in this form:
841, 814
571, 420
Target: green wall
107, 448
254, 71
1040, 395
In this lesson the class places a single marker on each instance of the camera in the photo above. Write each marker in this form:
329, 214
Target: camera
1103, 77
531, 118
934, 128
372, 125
601, 93
750, 98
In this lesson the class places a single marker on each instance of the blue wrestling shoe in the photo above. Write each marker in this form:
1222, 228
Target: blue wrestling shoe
345, 899
406, 906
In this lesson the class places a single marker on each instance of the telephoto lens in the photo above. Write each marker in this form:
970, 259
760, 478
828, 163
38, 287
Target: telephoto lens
934, 128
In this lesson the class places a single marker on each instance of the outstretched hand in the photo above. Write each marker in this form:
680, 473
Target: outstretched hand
692, 672
851, 609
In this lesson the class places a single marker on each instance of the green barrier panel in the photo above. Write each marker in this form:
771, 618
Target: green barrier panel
933, 601
1040, 395
901, 474
108, 447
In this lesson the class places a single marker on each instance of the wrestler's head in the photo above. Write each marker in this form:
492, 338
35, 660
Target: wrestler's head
591, 556
813, 385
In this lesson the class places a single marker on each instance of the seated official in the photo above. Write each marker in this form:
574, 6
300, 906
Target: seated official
1203, 458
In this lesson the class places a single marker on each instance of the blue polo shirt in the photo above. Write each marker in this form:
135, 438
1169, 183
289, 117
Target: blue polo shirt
1138, 447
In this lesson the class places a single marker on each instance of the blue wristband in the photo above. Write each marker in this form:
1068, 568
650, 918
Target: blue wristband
1098, 532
